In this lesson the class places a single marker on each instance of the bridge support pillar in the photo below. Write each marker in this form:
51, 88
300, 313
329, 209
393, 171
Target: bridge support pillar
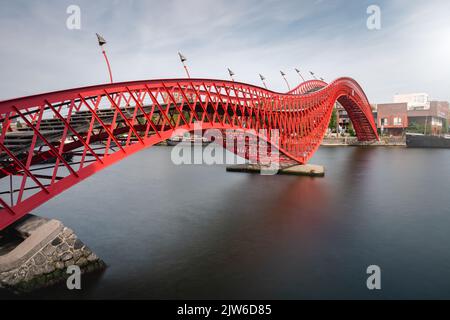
36, 252
310, 170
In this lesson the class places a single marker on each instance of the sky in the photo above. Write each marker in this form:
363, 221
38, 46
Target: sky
409, 53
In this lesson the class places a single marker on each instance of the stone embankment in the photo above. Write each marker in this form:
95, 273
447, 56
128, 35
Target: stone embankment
353, 141
42, 255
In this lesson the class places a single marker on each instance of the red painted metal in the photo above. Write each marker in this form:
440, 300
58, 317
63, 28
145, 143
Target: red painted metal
109, 66
101, 125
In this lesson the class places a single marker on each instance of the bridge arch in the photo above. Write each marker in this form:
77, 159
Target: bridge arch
100, 125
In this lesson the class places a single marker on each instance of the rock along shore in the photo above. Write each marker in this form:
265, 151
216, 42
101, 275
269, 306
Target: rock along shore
43, 250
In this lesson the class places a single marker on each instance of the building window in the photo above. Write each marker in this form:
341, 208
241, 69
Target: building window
397, 121
384, 121
420, 99
436, 122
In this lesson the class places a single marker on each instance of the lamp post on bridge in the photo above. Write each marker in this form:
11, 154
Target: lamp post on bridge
231, 73
263, 79
284, 77
299, 73
101, 43
183, 61
314, 76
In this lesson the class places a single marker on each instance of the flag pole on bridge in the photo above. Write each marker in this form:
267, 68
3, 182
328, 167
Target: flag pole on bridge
263, 79
284, 77
299, 73
101, 43
231, 73
183, 61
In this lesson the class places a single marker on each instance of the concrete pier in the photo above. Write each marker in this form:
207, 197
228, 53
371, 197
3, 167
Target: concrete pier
309, 170
36, 252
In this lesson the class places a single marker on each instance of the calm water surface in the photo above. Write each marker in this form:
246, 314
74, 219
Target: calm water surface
187, 232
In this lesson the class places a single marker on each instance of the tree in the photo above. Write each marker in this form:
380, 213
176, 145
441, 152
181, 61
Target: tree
333, 120
351, 130
415, 127
445, 128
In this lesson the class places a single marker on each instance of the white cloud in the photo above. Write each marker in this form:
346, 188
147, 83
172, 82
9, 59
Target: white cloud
410, 53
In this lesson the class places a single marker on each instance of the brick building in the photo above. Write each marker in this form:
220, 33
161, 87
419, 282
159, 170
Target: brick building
434, 120
342, 117
392, 118
397, 118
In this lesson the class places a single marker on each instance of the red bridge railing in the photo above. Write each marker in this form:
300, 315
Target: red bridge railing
50, 142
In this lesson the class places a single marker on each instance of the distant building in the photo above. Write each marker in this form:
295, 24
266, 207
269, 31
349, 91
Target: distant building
415, 113
434, 120
342, 117
414, 101
392, 118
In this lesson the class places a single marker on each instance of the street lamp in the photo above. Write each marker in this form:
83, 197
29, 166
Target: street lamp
183, 61
101, 43
298, 71
231, 73
263, 79
312, 73
284, 77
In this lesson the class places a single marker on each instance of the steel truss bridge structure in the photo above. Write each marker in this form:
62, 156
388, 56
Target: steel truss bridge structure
50, 142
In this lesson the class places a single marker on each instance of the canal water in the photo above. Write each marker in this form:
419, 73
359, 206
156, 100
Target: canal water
198, 232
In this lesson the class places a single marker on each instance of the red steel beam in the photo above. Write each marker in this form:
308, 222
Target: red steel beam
152, 111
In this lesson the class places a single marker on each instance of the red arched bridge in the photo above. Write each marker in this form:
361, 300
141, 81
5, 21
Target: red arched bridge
50, 142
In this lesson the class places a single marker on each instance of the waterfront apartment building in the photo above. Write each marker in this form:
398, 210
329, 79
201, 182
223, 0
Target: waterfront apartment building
392, 118
434, 120
413, 113
414, 101
343, 118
